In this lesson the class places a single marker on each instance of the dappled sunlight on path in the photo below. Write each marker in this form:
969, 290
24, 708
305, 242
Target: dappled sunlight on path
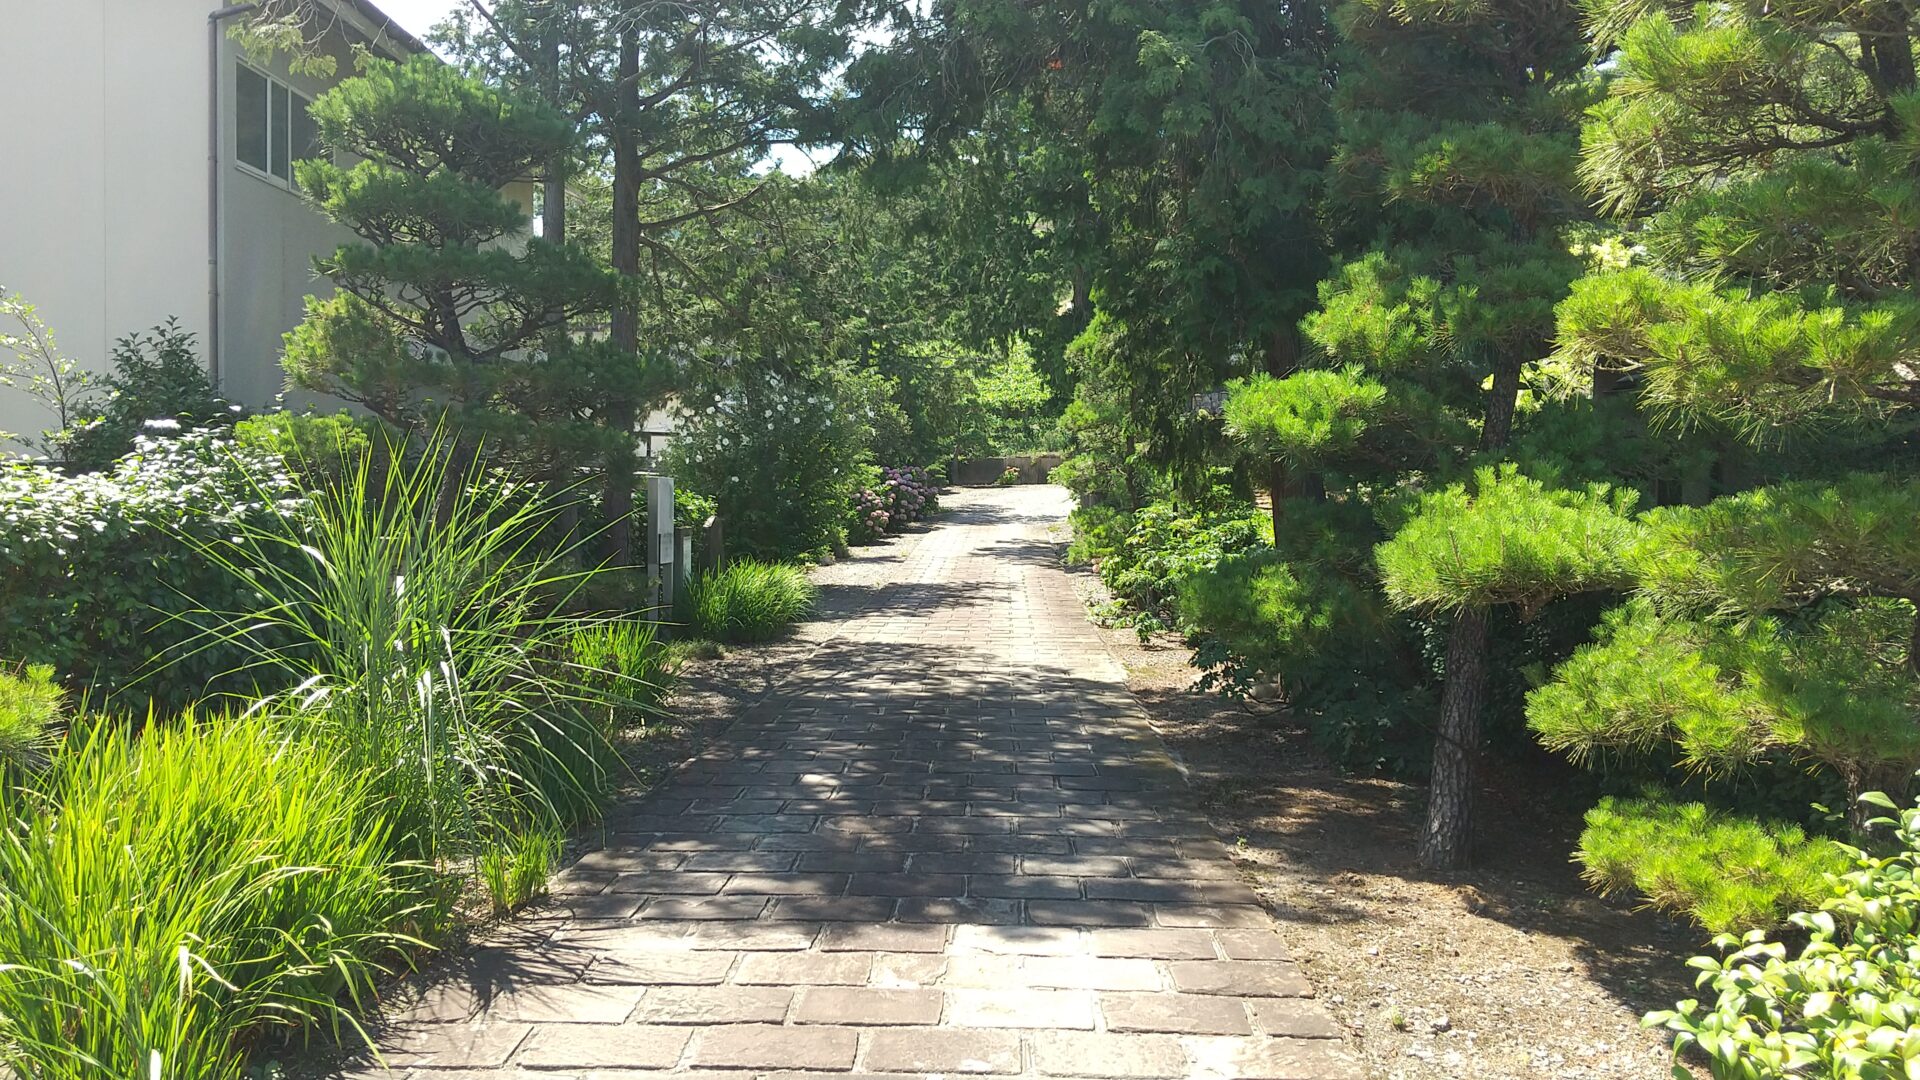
947, 842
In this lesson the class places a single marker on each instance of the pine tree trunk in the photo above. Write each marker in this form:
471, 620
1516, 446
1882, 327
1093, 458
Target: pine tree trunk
1283, 359
1456, 750
617, 501
1498, 425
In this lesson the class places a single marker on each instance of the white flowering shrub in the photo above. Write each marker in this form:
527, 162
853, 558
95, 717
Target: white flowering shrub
781, 454
98, 571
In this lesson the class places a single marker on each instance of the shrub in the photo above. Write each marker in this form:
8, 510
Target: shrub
99, 573
781, 454
1847, 1006
172, 896
892, 499
1726, 873
1008, 477
749, 601
158, 385
30, 705
318, 449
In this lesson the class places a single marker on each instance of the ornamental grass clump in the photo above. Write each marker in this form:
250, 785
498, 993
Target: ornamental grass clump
173, 899
749, 601
423, 639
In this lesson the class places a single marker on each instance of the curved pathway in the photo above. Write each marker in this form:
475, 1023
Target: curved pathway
947, 843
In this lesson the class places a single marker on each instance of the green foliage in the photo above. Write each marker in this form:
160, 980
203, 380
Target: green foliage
1311, 420
1726, 873
1832, 688
1167, 541
1847, 1005
423, 641
1508, 539
100, 572
1781, 547
319, 449
782, 454
172, 897
1008, 477
515, 870
749, 601
158, 385
31, 705
32, 363
625, 663
1754, 363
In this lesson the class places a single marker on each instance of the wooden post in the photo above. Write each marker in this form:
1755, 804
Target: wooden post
713, 541
660, 546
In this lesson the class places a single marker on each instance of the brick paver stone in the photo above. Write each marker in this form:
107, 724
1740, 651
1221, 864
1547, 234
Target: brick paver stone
947, 842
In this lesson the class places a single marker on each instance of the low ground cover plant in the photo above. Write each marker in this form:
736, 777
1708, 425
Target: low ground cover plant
1843, 1005
749, 601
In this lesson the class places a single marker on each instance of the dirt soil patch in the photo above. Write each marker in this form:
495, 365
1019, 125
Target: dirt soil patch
1512, 969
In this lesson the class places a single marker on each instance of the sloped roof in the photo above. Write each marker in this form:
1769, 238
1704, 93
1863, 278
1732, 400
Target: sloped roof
380, 25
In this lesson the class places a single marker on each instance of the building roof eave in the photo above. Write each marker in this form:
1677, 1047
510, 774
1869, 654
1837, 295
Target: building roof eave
379, 27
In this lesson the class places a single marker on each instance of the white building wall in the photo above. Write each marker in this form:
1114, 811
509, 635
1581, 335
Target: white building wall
53, 246
103, 196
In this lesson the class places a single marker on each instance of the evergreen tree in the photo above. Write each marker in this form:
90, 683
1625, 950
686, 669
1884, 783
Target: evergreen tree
1450, 190
444, 311
1763, 161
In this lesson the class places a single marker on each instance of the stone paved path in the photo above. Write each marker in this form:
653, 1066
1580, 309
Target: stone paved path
949, 844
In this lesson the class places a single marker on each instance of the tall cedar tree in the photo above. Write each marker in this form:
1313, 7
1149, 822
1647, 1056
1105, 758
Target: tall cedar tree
444, 311
1767, 163
679, 99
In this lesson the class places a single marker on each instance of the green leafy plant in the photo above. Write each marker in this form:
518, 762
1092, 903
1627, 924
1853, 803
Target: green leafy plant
172, 897
749, 601
101, 573
1846, 1005
158, 386
318, 449
1008, 477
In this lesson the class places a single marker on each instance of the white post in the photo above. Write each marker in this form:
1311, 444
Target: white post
660, 545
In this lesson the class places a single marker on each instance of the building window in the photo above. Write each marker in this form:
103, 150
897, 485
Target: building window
272, 128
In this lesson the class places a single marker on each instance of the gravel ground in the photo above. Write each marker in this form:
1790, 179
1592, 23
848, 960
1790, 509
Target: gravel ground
1510, 970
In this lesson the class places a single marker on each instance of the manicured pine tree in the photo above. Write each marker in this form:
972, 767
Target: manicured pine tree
444, 310
1764, 161
1449, 190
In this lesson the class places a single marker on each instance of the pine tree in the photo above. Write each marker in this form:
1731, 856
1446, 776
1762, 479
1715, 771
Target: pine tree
444, 310
1763, 162
1450, 188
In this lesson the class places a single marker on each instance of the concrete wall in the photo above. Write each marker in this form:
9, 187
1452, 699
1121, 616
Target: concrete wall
103, 200
1034, 469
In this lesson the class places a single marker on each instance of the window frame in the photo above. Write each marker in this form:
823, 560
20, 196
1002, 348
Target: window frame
277, 89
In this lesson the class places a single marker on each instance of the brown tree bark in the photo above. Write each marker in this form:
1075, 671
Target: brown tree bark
617, 499
1282, 358
1445, 843
1497, 427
